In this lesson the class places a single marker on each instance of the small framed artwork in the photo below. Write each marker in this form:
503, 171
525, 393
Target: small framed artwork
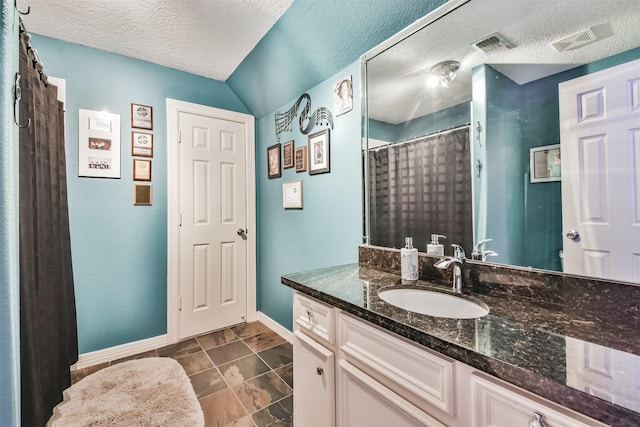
545, 163
319, 152
292, 195
141, 170
273, 161
142, 194
141, 144
287, 154
301, 159
141, 116
343, 96
98, 144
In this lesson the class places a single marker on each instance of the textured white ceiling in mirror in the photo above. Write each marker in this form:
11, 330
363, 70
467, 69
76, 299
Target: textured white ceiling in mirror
203, 37
532, 26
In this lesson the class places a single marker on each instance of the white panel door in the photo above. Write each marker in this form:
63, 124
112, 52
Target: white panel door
600, 145
213, 255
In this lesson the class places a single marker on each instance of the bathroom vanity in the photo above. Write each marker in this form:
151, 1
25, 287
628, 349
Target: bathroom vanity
359, 360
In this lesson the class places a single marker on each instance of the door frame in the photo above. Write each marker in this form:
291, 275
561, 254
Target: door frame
174, 108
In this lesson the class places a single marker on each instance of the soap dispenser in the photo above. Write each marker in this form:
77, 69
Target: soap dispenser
409, 262
435, 248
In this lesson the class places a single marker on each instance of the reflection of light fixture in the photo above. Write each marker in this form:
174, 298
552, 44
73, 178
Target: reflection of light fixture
442, 73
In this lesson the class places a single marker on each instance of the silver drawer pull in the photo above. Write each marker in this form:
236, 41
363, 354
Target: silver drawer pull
310, 317
537, 420
319, 371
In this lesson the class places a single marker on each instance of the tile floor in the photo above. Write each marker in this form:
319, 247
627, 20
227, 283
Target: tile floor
242, 375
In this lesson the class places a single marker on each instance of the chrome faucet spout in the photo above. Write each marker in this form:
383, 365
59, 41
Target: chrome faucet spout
458, 262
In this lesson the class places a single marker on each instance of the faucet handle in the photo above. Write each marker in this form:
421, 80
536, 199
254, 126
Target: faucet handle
478, 245
458, 251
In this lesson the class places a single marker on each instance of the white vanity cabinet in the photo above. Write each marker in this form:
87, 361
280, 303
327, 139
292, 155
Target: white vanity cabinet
349, 372
314, 363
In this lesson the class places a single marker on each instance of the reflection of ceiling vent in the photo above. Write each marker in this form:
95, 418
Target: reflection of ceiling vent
493, 43
575, 41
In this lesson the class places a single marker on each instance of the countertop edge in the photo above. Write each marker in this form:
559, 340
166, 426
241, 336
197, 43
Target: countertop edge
571, 398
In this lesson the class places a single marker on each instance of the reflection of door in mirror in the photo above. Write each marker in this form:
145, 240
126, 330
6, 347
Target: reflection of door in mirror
600, 137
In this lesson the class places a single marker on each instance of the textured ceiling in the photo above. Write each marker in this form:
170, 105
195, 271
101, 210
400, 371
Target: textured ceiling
205, 37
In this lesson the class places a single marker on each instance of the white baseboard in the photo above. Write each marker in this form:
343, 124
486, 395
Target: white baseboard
118, 352
276, 327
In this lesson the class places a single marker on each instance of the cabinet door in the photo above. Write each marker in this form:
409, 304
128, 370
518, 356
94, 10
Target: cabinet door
501, 405
314, 381
365, 402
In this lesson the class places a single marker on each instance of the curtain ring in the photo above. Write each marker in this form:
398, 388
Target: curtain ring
15, 6
16, 102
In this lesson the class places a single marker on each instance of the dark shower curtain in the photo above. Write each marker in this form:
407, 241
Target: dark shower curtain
420, 188
48, 335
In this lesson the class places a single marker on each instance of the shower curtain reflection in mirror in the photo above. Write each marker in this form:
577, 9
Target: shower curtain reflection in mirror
422, 187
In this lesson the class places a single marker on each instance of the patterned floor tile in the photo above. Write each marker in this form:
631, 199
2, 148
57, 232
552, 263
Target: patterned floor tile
264, 341
260, 392
278, 356
286, 373
276, 414
196, 362
207, 382
222, 409
217, 338
247, 330
243, 369
228, 352
180, 349
150, 353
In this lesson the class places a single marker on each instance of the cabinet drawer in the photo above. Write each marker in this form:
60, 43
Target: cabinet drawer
420, 376
314, 318
499, 404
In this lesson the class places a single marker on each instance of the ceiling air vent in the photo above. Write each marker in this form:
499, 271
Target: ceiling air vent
493, 43
575, 41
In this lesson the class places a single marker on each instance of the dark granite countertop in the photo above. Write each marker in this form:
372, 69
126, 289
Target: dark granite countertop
569, 357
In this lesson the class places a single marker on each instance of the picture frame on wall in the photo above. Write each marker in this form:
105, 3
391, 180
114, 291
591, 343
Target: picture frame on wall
141, 116
273, 162
98, 144
545, 163
141, 144
319, 156
141, 170
301, 159
288, 155
142, 194
292, 195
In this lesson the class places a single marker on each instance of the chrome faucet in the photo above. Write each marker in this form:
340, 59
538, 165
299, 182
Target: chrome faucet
478, 254
457, 260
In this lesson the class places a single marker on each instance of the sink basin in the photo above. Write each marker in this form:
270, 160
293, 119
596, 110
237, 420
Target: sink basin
433, 303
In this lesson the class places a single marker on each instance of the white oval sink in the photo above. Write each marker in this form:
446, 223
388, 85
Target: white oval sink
433, 303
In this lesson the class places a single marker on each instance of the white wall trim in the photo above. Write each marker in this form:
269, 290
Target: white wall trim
118, 352
174, 108
275, 326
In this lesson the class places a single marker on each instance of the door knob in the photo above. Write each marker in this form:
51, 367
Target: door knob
242, 233
573, 235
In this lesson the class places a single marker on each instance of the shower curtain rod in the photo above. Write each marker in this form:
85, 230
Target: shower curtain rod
37, 64
417, 138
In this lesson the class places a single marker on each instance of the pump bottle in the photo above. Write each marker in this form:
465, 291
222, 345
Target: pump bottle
435, 248
409, 262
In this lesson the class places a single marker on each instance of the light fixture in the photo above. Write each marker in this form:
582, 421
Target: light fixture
442, 73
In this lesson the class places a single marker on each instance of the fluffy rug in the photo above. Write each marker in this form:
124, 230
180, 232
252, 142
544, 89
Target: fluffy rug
145, 392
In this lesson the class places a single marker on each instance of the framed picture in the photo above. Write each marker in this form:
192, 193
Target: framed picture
273, 161
319, 152
141, 116
142, 194
343, 96
545, 163
98, 144
301, 159
292, 195
141, 170
141, 144
287, 154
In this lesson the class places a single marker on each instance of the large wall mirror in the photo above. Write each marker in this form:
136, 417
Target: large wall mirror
511, 120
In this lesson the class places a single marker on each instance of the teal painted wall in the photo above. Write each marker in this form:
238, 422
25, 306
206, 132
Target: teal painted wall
120, 250
9, 261
329, 228
312, 41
